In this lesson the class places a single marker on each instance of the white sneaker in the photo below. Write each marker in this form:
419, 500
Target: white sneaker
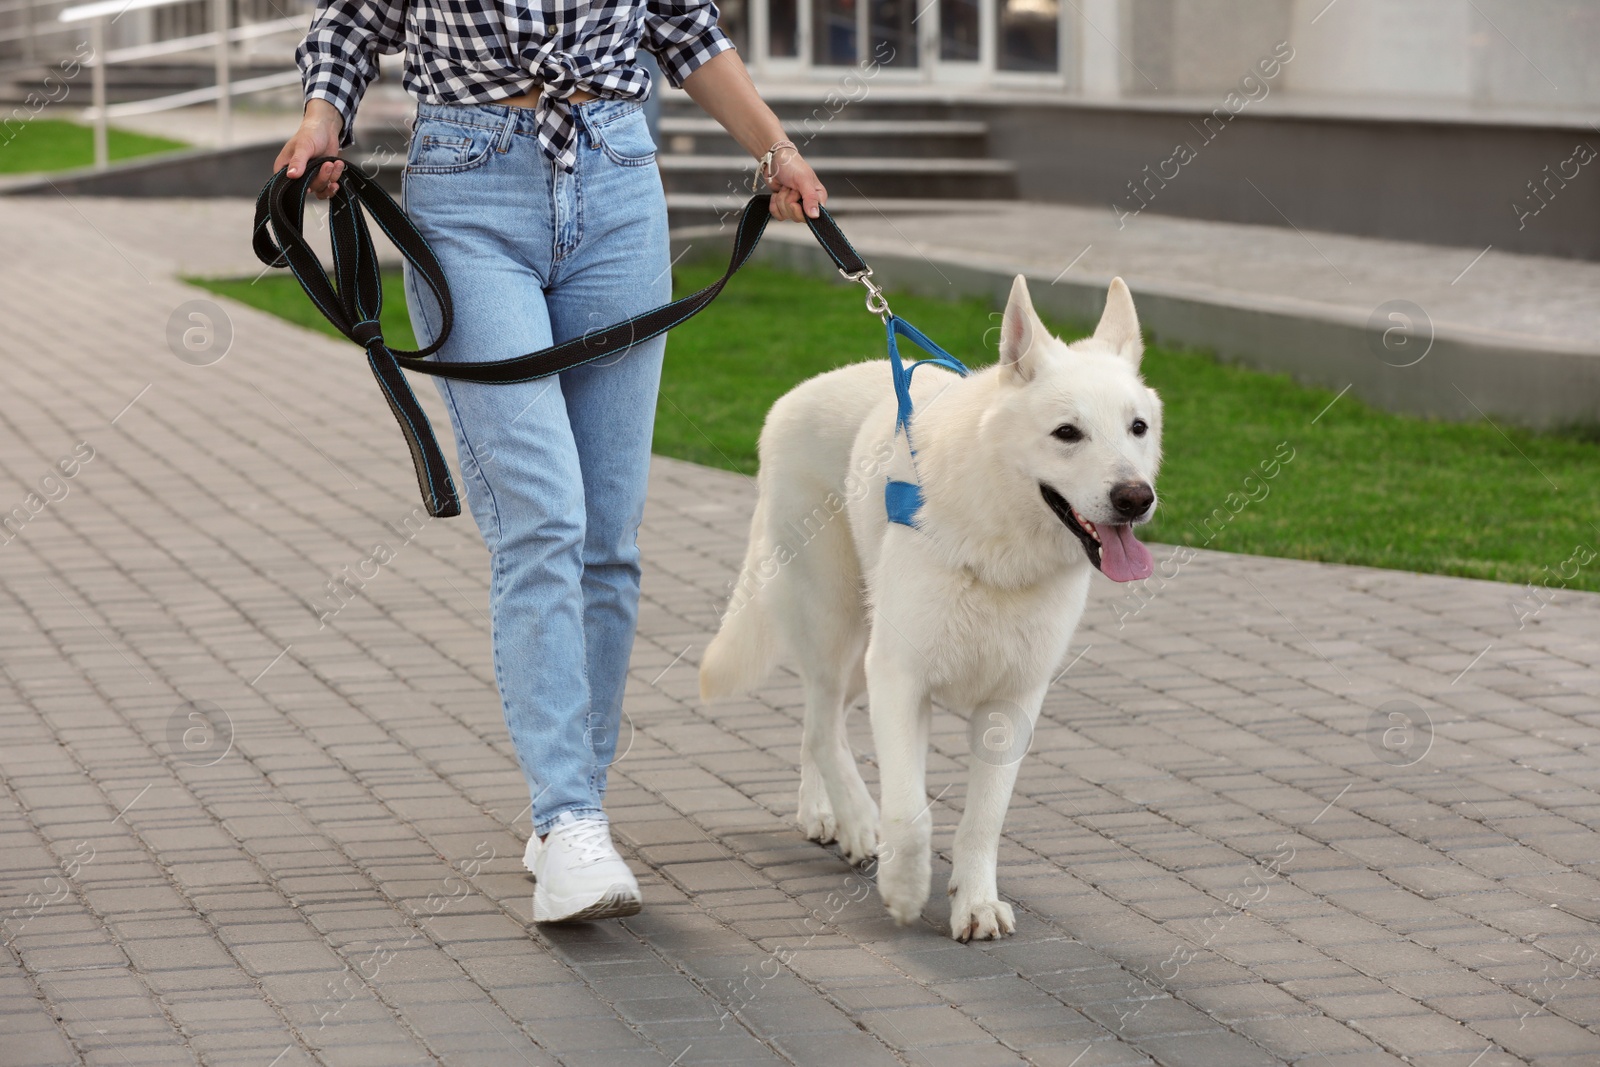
580, 876
530, 855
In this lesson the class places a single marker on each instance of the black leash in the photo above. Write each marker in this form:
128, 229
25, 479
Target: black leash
353, 298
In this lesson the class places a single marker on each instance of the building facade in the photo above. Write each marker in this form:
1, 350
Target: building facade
1465, 53
1017, 42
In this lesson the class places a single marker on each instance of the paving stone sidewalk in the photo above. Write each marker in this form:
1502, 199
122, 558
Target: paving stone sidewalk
245, 823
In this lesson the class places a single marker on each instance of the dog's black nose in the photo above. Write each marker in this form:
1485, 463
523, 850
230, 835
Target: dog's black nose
1132, 499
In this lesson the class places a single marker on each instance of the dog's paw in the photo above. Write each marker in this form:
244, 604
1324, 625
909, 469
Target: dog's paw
816, 817
818, 826
905, 904
858, 841
980, 920
857, 831
903, 877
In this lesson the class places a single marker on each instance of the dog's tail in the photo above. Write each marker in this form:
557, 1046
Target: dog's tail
739, 657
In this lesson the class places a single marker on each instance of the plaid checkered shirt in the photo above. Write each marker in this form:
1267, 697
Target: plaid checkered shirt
480, 51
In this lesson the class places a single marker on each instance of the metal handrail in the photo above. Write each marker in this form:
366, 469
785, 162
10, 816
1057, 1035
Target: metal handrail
202, 95
28, 33
101, 12
113, 8
134, 53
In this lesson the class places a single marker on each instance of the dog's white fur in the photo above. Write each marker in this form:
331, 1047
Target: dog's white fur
974, 609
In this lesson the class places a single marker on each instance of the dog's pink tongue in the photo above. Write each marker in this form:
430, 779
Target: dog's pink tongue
1122, 557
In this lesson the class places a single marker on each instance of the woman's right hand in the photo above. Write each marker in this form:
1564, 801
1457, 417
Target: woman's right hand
318, 135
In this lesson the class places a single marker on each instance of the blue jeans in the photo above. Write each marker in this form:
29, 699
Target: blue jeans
554, 470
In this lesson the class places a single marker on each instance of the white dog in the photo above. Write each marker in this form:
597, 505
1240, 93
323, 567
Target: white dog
1033, 471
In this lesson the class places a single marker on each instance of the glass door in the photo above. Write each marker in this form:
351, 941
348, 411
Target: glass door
960, 31
892, 32
958, 36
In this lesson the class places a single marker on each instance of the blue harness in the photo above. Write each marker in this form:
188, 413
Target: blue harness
904, 499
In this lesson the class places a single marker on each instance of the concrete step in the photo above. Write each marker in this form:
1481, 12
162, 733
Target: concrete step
865, 176
1401, 169
912, 138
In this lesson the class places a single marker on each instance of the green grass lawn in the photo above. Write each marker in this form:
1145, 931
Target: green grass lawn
1363, 486
51, 144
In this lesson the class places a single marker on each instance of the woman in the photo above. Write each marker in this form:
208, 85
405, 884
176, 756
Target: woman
532, 174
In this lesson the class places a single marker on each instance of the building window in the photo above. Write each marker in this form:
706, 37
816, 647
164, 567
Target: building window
893, 32
833, 34
958, 30
1029, 35
783, 29
838, 27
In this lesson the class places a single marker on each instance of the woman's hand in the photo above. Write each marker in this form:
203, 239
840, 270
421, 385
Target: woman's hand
723, 87
318, 135
796, 190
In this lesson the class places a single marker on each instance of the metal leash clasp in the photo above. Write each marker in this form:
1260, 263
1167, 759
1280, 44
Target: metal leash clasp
877, 303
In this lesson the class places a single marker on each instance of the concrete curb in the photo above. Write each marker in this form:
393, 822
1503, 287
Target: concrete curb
1464, 374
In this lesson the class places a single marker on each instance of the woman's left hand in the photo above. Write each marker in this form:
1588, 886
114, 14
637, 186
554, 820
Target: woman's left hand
723, 87
797, 193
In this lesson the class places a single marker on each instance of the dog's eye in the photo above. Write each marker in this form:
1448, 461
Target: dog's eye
1139, 427
1067, 432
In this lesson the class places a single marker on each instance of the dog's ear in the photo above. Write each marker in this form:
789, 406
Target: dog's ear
1119, 325
1021, 333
